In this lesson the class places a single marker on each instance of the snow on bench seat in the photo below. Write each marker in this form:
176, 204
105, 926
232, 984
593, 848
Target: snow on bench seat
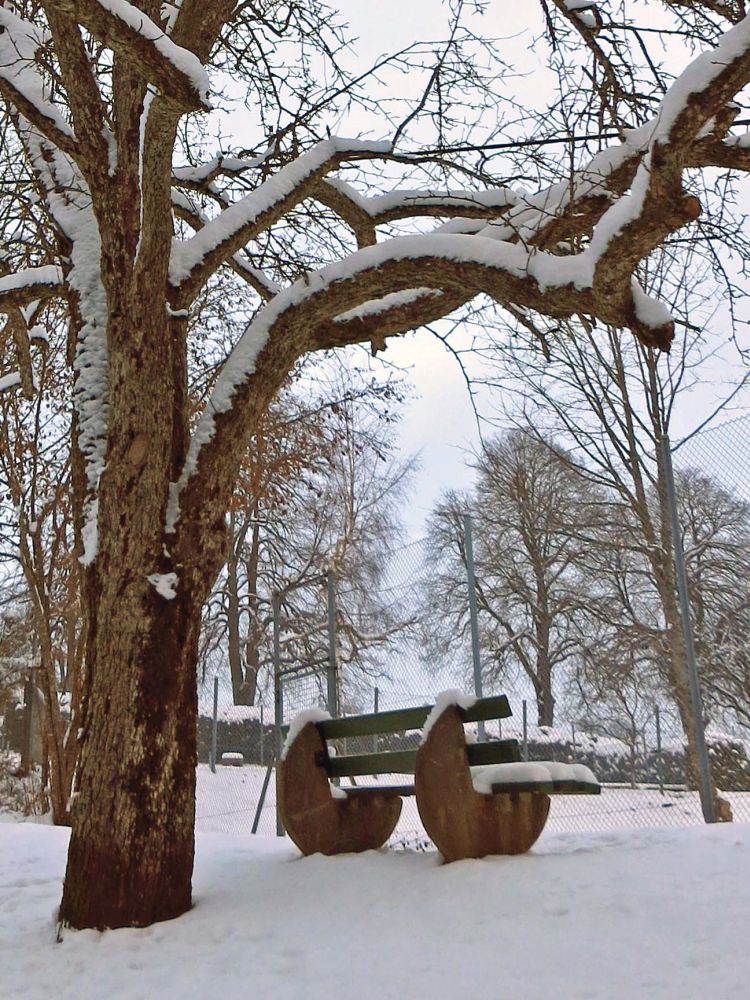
547, 776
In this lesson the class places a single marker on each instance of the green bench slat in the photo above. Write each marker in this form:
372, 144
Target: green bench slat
548, 787
486, 709
389, 790
374, 725
402, 719
403, 761
494, 752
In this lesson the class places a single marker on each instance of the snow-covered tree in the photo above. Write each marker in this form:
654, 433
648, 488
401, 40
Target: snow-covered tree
101, 97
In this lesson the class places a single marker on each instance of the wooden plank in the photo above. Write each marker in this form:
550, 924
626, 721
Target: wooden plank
548, 787
486, 709
387, 762
403, 761
374, 724
493, 752
400, 790
575, 788
504, 787
402, 719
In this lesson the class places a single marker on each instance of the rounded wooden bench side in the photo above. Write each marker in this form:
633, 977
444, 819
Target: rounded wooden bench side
462, 822
315, 820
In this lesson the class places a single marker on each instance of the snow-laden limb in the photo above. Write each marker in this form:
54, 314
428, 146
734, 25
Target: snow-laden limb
69, 203
374, 307
657, 204
262, 283
195, 259
30, 285
458, 265
174, 70
223, 165
23, 85
10, 381
406, 204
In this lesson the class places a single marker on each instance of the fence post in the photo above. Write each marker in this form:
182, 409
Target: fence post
332, 676
215, 726
573, 734
278, 696
704, 767
659, 758
376, 709
525, 743
260, 740
471, 579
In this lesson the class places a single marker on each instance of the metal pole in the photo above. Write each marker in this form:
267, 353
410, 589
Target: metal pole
332, 676
376, 709
260, 740
278, 695
659, 758
471, 579
573, 734
704, 767
215, 725
525, 730
262, 799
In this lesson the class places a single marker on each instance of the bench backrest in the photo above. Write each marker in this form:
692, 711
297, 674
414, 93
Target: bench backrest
400, 720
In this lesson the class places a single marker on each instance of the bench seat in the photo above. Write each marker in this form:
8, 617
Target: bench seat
544, 776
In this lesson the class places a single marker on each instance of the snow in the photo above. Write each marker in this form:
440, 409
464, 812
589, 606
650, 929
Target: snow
165, 584
660, 915
406, 201
186, 62
19, 42
392, 301
187, 255
446, 699
30, 276
299, 722
484, 777
10, 381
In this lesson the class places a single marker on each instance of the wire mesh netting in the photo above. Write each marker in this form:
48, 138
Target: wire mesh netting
641, 766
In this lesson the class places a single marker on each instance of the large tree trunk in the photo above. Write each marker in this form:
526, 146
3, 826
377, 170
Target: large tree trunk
131, 851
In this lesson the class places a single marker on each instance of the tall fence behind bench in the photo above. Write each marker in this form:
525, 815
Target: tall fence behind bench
641, 765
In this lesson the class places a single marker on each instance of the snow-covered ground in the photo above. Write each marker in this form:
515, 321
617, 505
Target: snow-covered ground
653, 915
227, 802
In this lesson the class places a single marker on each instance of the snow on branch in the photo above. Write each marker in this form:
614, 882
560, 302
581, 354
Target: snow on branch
657, 204
29, 285
407, 204
194, 260
378, 282
174, 70
10, 381
22, 84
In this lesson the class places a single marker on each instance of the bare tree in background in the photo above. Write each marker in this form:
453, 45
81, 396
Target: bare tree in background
527, 508
37, 525
320, 491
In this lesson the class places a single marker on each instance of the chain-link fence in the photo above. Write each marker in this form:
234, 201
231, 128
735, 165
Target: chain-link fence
641, 760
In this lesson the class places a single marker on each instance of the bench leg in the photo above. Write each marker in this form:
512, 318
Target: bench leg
461, 822
315, 820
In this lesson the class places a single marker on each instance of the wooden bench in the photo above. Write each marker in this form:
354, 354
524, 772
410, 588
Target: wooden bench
321, 817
